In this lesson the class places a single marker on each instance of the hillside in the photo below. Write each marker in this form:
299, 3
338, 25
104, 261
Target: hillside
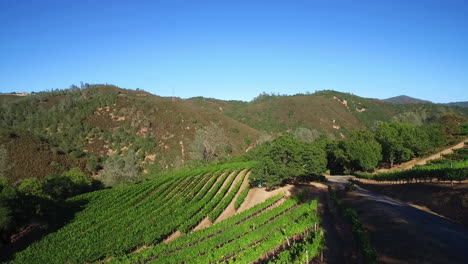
84, 126
330, 112
101, 120
403, 99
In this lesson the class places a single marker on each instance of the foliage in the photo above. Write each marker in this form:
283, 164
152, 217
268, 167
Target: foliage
286, 158
306, 135
241, 198
401, 142
455, 171
209, 143
358, 151
153, 210
119, 170
464, 129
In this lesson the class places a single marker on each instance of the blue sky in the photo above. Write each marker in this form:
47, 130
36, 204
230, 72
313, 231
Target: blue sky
238, 49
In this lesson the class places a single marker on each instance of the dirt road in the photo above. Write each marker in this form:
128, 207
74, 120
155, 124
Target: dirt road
422, 161
404, 234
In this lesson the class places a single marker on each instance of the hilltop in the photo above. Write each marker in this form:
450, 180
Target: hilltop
403, 99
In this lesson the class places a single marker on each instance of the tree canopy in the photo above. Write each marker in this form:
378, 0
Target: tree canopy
287, 158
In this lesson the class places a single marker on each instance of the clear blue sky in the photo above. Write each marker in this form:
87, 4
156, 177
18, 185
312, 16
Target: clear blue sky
238, 49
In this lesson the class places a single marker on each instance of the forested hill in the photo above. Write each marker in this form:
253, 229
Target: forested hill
95, 125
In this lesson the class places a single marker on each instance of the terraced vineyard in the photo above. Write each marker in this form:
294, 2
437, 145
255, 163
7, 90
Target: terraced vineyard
129, 225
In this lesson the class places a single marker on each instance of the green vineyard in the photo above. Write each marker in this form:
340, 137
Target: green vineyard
453, 167
132, 224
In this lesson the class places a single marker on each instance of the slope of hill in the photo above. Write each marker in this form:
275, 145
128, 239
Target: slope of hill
82, 127
32, 157
403, 99
330, 112
177, 204
102, 120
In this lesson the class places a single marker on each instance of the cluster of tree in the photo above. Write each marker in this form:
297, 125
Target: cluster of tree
34, 198
388, 143
291, 156
402, 142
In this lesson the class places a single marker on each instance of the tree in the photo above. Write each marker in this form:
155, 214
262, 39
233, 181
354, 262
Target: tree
358, 151
58, 187
287, 158
392, 145
119, 170
32, 187
363, 150
306, 135
78, 177
210, 143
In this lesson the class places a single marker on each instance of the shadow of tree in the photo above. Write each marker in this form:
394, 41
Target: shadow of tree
59, 214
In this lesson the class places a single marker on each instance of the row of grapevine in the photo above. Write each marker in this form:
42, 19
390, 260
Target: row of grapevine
240, 239
227, 199
452, 171
241, 198
118, 220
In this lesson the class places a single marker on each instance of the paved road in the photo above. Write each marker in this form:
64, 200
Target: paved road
404, 234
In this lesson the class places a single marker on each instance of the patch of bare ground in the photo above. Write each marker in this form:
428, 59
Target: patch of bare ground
442, 199
206, 222
172, 237
231, 209
259, 195
422, 161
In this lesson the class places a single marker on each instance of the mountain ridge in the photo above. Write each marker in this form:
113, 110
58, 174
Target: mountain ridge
404, 99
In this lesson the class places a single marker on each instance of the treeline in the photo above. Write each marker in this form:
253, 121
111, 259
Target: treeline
452, 167
42, 200
287, 158
441, 172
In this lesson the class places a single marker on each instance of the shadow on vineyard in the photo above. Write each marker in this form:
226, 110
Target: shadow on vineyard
59, 214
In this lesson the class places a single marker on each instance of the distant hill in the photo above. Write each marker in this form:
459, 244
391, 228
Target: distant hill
462, 104
403, 99
83, 126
